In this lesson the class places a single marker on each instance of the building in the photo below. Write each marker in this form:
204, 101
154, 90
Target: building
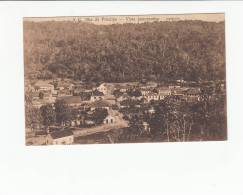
82, 87
75, 123
122, 87
174, 86
151, 110
106, 88
60, 137
109, 120
152, 96
64, 92
61, 85
179, 91
100, 104
74, 101
164, 91
96, 95
43, 86
144, 92
146, 127
192, 94
37, 103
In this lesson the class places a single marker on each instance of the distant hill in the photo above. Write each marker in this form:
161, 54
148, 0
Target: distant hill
188, 50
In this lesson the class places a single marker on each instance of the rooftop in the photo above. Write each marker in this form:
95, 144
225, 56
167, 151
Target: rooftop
71, 99
42, 83
100, 103
193, 91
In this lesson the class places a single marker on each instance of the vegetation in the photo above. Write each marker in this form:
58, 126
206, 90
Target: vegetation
99, 115
189, 50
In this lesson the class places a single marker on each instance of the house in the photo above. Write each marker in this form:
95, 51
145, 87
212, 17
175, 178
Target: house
121, 87
106, 88
99, 104
43, 86
60, 137
179, 91
35, 95
61, 85
151, 110
74, 101
163, 91
37, 103
64, 92
152, 96
54, 93
96, 95
146, 127
192, 94
109, 119
174, 86
89, 122
128, 103
145, 91
180, 81
82, 87
148, 85
75, 122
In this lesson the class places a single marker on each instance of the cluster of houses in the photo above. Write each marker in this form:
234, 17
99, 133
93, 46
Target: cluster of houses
109, 96
82, 94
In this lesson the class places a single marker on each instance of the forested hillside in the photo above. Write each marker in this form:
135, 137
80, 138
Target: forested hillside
189, 50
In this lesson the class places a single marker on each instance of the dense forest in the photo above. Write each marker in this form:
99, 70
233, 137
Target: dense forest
161, 51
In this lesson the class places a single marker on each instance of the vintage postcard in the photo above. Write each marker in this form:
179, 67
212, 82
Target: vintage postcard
125, 79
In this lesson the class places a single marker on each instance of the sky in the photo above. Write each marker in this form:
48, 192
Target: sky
106, 20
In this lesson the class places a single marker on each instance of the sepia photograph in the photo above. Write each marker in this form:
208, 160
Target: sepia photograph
125, 79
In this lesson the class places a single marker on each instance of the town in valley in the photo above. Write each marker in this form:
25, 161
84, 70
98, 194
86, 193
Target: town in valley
121, 83
114, 112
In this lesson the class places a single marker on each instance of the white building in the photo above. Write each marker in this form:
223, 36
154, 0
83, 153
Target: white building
163, 91
146, 127
106, 88
152, 96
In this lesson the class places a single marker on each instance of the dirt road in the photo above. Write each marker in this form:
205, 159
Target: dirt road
119, 123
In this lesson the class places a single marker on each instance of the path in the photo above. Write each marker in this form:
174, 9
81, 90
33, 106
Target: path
119, 123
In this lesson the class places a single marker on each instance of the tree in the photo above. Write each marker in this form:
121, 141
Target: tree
117, 93
48, 114
180, 126
63, 112
99, 115
32, 115
41, 95
186, 50
173, 121
134, 93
